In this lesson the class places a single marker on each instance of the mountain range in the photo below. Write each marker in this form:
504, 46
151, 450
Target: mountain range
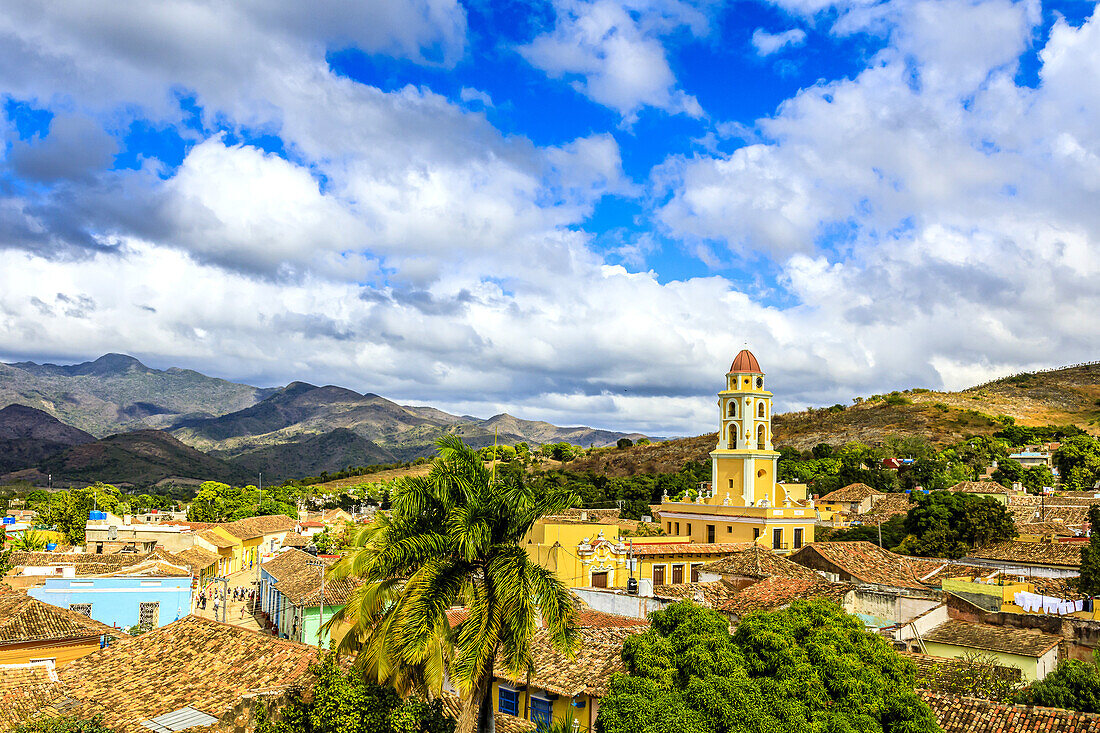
93, 420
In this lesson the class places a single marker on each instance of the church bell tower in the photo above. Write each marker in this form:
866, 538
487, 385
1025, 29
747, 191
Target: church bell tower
743, 463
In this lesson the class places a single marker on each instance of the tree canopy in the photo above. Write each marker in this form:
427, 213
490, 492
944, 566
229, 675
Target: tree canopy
810, 667
1073, 685
1089, 580
949, 524
343, 701
218, 502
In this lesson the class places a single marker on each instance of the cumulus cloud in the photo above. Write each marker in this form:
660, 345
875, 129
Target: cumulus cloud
927, 221
767, 43
612, 52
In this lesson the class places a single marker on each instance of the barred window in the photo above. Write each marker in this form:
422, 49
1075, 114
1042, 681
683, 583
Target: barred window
147, 614
84, 608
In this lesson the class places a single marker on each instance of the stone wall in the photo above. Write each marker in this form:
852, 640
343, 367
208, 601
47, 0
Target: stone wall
1082, 636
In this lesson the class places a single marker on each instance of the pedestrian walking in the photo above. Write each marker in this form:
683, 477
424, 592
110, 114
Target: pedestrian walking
215, 607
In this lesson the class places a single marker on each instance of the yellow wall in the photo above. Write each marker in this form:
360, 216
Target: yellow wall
563, 707
62, 652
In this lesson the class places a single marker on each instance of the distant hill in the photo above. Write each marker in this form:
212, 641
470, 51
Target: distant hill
1067, 396
140, 458
116, 393
331, 451
29, 436
278, 434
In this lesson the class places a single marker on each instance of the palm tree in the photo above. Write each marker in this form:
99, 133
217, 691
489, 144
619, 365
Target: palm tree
29, 541
453, 538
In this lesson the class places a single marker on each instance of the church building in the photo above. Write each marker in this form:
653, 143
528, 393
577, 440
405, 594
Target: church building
743, 502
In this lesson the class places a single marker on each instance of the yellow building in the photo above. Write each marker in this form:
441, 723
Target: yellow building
566, 688
744, 503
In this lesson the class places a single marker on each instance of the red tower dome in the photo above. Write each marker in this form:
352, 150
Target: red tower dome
746, 363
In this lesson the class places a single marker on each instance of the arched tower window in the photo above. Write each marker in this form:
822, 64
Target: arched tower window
733, 436
731, 409
760, 438
760, 410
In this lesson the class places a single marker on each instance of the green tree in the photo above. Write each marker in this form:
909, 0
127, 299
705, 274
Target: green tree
1089, 580
975, 675
454, 537
1008, 472
948, 524
1073, 685
68, 511
810, 667
893, 532
1036, 478
1081, 452
29, 541
624, 443
62, 724
343, 701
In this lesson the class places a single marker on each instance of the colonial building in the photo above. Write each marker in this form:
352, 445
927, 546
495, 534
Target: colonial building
743, 503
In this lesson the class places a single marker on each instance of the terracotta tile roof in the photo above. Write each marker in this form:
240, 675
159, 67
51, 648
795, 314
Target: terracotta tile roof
867, 562
592, 515
198, 558
192, 662
890, 505
154, 569
980, 487
25, 689
1057, 587
24, 619
852, 492
957, 714
928, 666
293, 539
1057, 554
755, 561
1003, 639
452, 707
694, 548
301, 582
252, 527
588, 670
216, 539
82, 563
773, 593
1044, 529
309, 524
712, 595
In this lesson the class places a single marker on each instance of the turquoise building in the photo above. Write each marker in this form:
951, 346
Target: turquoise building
290, 595
120, 601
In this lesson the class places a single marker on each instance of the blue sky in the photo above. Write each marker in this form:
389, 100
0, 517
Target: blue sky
569, 210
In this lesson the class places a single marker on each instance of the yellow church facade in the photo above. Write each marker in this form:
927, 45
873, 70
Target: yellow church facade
744, 503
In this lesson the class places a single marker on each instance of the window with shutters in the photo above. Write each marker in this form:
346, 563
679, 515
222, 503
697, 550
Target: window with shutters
658, 575
147, 614
542, 712
695, 572
599, 580
84, 608
710, 533
677, 574
508, 701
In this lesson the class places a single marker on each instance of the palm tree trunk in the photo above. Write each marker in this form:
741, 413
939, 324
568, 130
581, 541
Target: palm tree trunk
477, 709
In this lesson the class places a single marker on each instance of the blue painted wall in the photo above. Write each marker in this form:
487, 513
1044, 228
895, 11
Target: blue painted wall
117, 601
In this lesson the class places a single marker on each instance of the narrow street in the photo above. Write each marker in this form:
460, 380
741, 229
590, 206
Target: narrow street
238, 613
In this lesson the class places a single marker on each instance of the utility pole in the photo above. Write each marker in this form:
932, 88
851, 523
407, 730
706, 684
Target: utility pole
225, 595
880, 531
321, 610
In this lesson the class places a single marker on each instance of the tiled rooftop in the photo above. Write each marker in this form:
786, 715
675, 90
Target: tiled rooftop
24, 689
597, 656
197, 558
868, 563
980, 487
851, 492
85, 563
154, 568
755, 561
252, 527
24, 619
301, 582
890, 505
713, 594
957, 714
773, 593
695, 548
192, 662
293, 539
217, 540
1058, 554
1003, 639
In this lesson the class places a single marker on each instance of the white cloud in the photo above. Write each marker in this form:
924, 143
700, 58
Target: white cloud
767, 43
612, 52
